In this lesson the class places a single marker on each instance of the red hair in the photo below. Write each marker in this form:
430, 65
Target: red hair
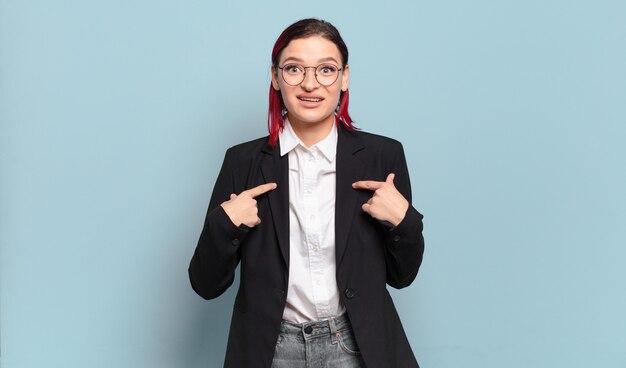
302, 29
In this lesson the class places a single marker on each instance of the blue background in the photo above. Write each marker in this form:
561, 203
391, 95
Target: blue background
115, 116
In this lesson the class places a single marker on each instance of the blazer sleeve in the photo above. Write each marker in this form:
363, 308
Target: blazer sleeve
212, 267
404, 244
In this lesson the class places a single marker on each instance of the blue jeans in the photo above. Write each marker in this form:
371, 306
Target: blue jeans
324, 344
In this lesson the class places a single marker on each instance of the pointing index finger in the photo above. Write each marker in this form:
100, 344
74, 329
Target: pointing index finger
261, 189
367, 184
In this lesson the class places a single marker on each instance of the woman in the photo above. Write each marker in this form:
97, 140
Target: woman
319, 216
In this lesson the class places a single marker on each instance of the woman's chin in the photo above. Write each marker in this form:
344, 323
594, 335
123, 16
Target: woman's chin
311, 119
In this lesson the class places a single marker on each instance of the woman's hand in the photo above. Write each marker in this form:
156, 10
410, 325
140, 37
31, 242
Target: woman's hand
242, 208
387, 203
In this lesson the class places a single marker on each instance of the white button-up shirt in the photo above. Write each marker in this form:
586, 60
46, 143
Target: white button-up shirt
313, 294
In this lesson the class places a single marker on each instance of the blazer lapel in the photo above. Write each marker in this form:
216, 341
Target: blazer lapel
275, 169
349, 170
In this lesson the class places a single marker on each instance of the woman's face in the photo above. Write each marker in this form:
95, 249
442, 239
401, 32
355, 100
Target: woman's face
310, 103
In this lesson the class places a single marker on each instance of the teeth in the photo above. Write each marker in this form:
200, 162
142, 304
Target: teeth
311, 99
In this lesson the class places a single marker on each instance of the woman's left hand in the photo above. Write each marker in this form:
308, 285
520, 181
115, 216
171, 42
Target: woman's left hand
387, 203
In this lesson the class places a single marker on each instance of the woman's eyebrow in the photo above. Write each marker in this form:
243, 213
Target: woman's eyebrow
330, 58
291, 58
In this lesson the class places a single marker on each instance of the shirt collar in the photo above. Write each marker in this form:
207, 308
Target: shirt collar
288, 140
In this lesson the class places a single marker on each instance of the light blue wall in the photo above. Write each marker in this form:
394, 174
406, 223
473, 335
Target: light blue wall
115, 116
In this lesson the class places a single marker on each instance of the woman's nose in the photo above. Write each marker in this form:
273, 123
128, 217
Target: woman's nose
310, 81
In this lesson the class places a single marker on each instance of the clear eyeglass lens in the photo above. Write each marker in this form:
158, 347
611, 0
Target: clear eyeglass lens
326, 74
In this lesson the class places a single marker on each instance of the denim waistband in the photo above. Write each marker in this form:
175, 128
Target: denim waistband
309, 330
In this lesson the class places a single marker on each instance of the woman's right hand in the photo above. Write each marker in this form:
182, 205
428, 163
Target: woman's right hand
242, 208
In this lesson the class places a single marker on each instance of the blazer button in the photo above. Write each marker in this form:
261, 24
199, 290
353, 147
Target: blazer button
349, 293
235, 241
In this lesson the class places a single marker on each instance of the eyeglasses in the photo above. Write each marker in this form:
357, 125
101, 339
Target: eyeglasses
325, 74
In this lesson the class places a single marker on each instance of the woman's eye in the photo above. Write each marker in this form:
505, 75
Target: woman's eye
293, 69
328, 69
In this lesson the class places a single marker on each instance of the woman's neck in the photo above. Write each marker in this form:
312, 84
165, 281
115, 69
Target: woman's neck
312, 133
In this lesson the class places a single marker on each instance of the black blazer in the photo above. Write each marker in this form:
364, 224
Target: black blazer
369, 254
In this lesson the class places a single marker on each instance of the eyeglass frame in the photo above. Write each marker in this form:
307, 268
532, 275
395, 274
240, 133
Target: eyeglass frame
339, 69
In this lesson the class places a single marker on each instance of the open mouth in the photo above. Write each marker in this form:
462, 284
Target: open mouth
310, 99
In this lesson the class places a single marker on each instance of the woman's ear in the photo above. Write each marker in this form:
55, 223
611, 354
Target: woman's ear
275, 78
345, 78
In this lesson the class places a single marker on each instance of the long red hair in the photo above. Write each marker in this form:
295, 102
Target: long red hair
302, 29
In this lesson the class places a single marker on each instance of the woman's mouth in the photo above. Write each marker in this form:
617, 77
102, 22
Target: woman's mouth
310, 99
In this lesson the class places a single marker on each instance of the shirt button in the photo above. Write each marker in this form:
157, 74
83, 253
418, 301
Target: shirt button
396, 238
349, 293
235, 241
